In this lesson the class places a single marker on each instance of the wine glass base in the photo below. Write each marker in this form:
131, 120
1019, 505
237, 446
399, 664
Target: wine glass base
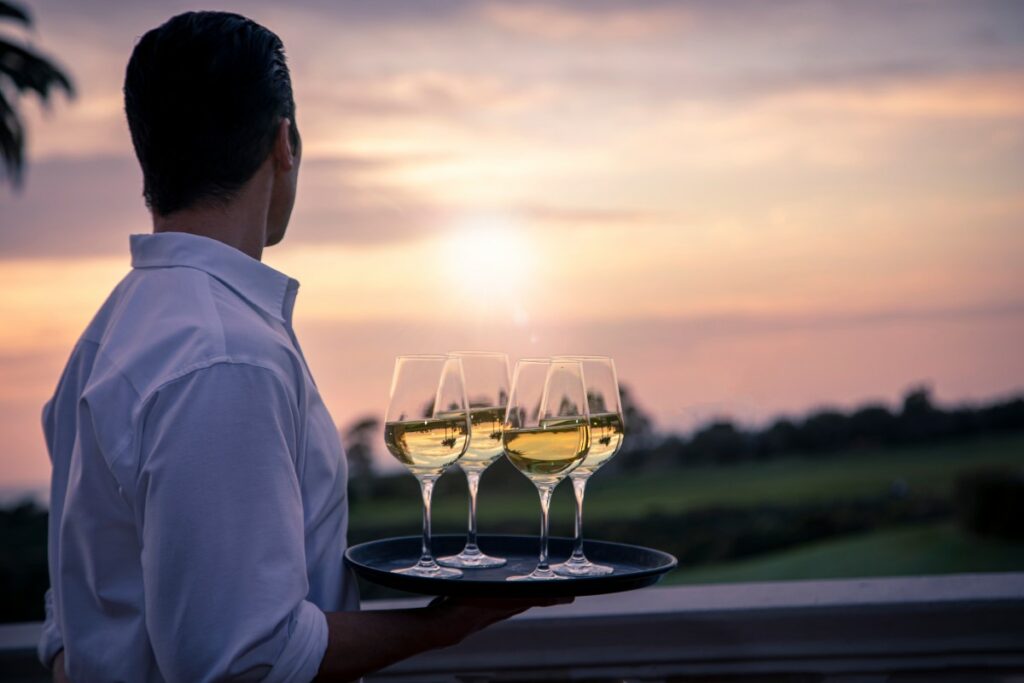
429, 571
471, 559
582, 568
538, 575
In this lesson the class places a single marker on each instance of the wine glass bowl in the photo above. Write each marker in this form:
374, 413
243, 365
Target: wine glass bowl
427, 429
547, 453
426, 447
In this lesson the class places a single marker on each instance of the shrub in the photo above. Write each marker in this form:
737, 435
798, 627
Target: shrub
990, 502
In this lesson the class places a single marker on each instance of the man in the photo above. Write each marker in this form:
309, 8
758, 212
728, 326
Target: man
198, 511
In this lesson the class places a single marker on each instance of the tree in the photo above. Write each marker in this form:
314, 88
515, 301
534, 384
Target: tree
824, 431
872, 425
719, 442
21, 71
782, 437
920, 420
639, 435
639, 425
358, 439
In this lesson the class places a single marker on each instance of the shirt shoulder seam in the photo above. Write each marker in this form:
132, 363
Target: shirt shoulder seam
225, 359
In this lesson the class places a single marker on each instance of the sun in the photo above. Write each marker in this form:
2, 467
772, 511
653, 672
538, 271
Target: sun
489, 261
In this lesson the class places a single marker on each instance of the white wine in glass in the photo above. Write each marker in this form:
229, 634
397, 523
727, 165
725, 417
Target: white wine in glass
606, 434
546, 434
427, 429
487, 387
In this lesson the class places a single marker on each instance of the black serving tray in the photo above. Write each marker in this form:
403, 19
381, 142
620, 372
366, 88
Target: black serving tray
635, 566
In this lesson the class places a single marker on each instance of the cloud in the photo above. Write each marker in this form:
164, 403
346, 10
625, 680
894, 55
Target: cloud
73, 207
576, 216
87, 206
585, 21
338, 203
974, 96
424, 93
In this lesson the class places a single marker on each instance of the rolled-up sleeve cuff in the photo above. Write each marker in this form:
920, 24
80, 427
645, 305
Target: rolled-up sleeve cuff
50, 640
300, 660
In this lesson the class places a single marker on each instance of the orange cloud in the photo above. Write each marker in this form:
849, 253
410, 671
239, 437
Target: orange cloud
978, 96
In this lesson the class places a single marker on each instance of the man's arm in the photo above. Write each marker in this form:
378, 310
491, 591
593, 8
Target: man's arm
222, 532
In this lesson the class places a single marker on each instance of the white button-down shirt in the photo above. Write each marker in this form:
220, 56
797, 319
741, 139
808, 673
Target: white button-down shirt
198, 509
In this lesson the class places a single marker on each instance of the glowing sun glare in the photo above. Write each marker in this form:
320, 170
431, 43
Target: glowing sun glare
490, 260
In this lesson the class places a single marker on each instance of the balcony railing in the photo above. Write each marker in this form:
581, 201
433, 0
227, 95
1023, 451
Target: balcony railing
967, 627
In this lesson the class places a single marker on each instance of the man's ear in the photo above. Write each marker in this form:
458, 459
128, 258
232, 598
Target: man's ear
283, 152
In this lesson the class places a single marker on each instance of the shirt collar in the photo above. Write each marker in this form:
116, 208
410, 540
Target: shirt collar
269, 290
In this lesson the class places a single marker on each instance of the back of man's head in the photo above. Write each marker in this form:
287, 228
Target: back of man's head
204, 94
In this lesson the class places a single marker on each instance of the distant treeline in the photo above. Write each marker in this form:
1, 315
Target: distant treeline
918, 421
723, 442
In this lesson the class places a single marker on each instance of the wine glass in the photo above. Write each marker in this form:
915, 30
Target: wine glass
606, 434
427, 429
546, 434
487, 383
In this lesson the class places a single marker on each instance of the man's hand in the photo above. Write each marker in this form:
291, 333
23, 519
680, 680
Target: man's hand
458, 618
361, 642
58, 669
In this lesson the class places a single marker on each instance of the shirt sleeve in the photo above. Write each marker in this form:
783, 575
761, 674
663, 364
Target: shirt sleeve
221, 518
50, 640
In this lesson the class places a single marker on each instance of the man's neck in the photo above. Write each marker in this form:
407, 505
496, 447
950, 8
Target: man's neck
241, 222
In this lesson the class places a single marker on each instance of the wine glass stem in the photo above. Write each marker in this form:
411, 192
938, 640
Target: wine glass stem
545, 506
427, 491
473, 480
579, 487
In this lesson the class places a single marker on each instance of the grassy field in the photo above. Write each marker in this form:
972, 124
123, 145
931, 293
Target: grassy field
930, 549
925, 470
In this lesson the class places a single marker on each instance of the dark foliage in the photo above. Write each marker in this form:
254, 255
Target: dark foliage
827, 431
23, 576
991, 502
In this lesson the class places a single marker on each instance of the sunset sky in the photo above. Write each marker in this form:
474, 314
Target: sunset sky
756, 207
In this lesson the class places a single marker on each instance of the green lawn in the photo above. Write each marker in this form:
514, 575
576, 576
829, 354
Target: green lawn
932, 549
924, 469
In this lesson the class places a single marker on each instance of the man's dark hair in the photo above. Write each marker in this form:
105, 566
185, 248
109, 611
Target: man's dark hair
204, 94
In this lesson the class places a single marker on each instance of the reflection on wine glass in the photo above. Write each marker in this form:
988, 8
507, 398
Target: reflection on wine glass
427, 429
606, 434
546, 434
487, 385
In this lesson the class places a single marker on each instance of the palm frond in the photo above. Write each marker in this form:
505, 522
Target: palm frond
15, 12
21, 70
29, 71
12, 141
